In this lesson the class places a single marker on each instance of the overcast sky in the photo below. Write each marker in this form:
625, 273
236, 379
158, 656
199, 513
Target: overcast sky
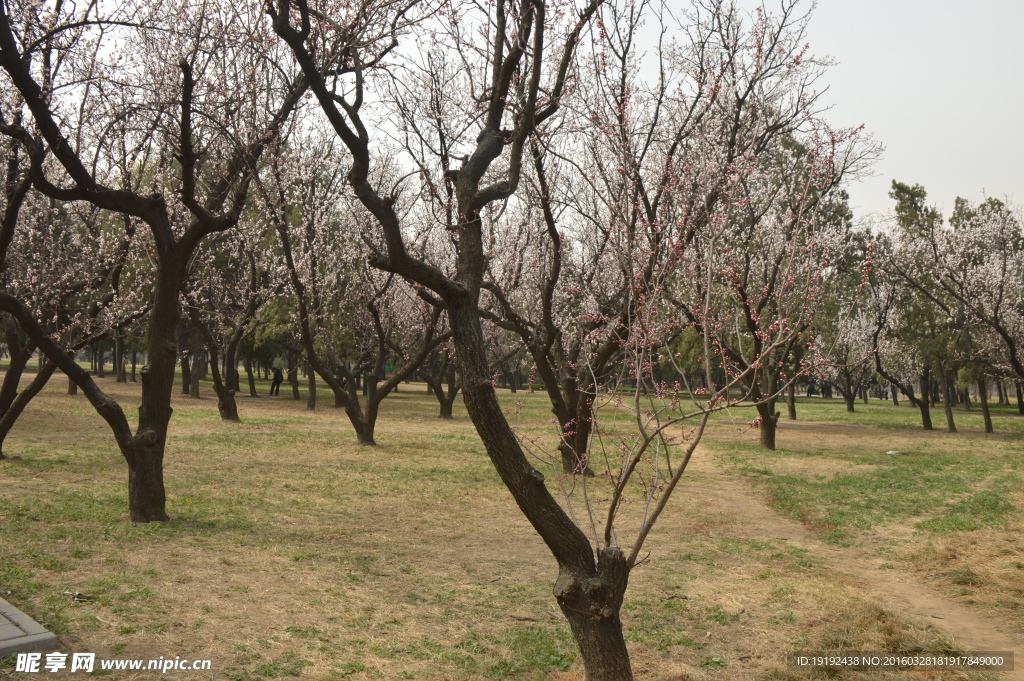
940, 83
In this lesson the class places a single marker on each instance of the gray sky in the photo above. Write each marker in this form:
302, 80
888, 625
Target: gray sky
940, 83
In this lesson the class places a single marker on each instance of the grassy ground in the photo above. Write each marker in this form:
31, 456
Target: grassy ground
294, 553
946, 505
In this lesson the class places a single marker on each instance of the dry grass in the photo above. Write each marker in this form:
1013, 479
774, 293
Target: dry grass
949, 509
294, 552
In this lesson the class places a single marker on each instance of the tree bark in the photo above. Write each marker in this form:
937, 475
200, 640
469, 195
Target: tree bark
947, 399
791, 401
293, 374
101, 371
895, 395
119, 363
198, 359
311, 396
592, 604
769, 423
20, 354
983, 398
226, 404
135, 358
251, 378
14, 410
1020, 398
923, 403
185, 358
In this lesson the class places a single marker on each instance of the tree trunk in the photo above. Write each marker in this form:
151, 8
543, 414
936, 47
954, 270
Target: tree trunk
72, 387
591, 604
576, 431
146, 495
1003, 399
14, 410
769, 423
947, 400
186, 374
226, 404
20, 356
926, 386
983, 398
311, 397
187, 361
446, 409
791, 401
293, 374
198, 359
447, 398
1020, 398
101, 371
135, 357
249, 375
895, 395
589, 594
364, 433
119, 363
848, 397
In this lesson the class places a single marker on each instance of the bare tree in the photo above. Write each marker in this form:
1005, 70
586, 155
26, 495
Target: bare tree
171, 138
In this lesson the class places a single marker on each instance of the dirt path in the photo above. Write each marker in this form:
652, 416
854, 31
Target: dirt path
896, 589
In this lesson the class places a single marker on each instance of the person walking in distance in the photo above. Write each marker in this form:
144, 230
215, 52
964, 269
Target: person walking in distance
275, 386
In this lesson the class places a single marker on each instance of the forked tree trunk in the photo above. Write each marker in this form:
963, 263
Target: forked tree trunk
445, 410
983, 398
364, 433
848, 397
589, 594
226, 404
592, 604
20, 355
